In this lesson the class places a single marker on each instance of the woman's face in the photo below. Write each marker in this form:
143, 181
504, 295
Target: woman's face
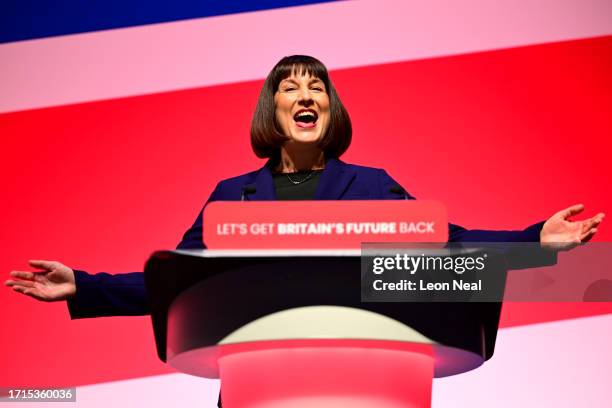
302, 108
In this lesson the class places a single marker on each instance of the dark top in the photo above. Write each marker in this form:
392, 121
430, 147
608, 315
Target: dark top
297, 186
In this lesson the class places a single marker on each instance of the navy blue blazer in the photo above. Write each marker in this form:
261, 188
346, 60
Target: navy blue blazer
104, 294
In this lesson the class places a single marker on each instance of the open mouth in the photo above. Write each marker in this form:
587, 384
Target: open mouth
306, 118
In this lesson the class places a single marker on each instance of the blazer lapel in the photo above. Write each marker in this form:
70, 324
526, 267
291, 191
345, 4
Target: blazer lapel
263, 185
334, 180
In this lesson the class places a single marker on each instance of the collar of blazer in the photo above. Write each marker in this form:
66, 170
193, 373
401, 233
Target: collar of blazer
334, 181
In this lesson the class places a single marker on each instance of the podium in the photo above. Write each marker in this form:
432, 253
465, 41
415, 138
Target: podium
288, 328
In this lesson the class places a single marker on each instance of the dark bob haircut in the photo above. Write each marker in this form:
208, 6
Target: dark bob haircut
266, 138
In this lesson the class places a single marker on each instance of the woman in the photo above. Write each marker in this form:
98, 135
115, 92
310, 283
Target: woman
301, 125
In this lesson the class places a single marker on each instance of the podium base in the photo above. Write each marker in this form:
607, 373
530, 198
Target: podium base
326, 373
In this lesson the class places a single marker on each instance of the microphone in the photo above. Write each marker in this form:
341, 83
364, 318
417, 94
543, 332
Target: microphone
397, 189
247, 190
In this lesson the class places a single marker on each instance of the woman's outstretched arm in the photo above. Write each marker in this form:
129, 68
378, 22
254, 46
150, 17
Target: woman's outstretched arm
95, 295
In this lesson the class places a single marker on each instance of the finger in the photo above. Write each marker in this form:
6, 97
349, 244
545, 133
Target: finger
571, 211
592, 222
22, 289
19, 289
587, 236
28, 284
23, 275
28, 292
38, 263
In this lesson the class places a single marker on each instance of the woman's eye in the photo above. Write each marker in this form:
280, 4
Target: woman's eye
318, 89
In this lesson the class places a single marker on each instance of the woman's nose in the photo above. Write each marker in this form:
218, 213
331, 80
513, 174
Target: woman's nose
306, 97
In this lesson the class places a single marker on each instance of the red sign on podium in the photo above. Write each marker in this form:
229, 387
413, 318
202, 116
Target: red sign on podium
321, 224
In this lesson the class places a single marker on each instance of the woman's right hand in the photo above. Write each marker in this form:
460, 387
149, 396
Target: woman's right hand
55, 281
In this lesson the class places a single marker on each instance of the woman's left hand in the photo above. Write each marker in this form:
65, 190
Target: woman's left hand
561, 233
